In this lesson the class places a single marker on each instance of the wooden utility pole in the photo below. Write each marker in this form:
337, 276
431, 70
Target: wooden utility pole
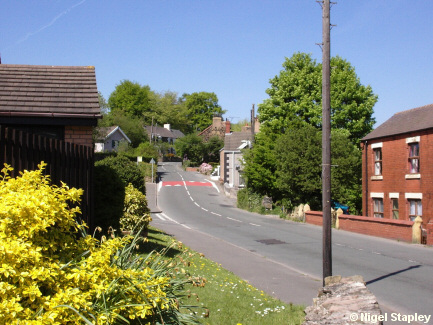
326, 140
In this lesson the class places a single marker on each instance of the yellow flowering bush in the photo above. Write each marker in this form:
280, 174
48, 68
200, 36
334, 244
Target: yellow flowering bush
136, 214
51, 275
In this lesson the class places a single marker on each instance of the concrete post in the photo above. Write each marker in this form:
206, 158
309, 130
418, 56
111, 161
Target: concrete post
337, 221
416, 230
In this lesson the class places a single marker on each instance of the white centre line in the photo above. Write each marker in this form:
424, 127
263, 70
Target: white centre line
197, 204
204, 209
253, 224
234, 219
216, 214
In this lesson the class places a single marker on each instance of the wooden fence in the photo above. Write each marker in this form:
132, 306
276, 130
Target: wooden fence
67, 162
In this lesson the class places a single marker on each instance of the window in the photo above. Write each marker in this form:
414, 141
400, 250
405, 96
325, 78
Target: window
415, 209
394, 208
378, 208
414, 157
378, 161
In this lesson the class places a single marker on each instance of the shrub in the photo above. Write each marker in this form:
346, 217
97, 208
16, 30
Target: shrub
109, 192
127, 171
136, 214
205, 168
248, 200
49, 275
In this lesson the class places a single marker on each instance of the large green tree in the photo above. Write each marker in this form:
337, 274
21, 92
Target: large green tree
201, 107
295, 98
295, 102
134, 100
171, 110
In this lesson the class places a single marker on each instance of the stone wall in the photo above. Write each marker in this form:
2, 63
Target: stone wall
344, 301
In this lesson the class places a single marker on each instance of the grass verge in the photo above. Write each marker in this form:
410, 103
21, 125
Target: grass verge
223, 297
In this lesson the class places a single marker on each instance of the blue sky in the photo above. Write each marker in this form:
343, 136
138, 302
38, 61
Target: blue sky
230, 47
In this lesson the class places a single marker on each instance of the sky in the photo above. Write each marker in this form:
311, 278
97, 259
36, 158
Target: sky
229, 47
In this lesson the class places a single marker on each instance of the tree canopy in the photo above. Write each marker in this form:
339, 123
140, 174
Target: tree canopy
133, 99
296, 98
200, 109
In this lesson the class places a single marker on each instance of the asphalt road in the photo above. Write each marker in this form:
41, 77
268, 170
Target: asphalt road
284, 258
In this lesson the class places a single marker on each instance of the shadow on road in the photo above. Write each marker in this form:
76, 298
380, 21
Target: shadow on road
392, 274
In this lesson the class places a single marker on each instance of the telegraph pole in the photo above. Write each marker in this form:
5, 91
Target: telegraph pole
326, 140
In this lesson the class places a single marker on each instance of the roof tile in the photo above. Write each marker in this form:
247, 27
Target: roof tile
49, 89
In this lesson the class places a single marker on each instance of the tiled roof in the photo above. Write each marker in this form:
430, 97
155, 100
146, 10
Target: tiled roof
416, 119
58, 91
232, 141
163, 132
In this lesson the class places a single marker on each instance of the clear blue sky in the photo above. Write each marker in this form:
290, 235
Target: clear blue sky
229, 47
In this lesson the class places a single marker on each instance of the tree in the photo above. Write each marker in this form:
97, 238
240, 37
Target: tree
295, 98
212, 148
259, 165
172, 111
201, 107
135, 100
190, 147
299, 170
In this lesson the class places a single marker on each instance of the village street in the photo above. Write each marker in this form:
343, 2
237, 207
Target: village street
284, 258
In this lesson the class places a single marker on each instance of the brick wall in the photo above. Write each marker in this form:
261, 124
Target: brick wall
429, 233
314, 218
79, 135
385, 228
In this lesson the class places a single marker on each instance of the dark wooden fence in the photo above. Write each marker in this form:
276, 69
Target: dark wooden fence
66, 162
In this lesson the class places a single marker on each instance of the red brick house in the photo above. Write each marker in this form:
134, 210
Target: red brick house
55, 101
397, 181
218, 128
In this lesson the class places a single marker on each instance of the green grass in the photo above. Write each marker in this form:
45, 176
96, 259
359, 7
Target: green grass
222, 297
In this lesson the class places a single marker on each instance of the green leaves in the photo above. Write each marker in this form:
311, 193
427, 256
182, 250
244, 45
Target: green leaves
285, 162
296, 98
201, 107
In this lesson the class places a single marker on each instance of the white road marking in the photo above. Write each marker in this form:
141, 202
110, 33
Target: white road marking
196, 204
216, 214
253, 224
204, 209
163, 215
159, 216
234, 219
213, 184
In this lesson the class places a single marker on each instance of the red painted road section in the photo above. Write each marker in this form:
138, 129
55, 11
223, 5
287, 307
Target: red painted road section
188, 183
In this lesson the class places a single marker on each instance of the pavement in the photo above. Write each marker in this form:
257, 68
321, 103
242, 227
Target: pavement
152, 197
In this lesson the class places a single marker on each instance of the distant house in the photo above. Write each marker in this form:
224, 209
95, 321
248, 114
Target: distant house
231, 158
109, 138
55, 101
164, 134
397, 163
218, 128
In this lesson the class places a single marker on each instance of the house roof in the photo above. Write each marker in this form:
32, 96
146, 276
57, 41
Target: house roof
105, 132
48, 91
235, 140
163, 132
416, 119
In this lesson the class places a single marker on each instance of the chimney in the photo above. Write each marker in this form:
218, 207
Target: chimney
227, 126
